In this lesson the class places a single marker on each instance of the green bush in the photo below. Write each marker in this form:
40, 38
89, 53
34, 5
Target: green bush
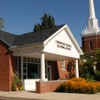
14, 83
97, 75
21, 88
17, 83
60, 88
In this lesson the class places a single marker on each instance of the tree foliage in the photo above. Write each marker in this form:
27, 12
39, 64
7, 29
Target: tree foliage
47, 21
1, 23
86, 66
97, 59
87, 63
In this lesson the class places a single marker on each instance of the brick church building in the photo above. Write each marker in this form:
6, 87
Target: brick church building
39, 58
91, 35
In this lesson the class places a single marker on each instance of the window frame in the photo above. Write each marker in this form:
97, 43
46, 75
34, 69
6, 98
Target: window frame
63, 65
90, 45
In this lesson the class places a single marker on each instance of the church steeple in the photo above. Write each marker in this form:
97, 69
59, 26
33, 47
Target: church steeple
92, 21
91, 9
92, 24
91, 35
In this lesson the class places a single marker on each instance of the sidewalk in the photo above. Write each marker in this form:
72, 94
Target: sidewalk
26, 95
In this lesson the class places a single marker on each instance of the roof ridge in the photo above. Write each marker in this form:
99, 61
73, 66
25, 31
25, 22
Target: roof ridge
51, 27
42, 30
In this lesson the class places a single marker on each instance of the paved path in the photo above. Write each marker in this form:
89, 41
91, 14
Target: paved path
25, 95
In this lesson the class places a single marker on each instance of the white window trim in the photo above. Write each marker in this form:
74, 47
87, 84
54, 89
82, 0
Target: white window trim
63, 65
32, 62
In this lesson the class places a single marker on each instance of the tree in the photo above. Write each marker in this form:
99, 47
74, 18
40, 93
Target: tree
1, 23
97, 59
47, 21
97, 63
86, 66
37, 27
87, 63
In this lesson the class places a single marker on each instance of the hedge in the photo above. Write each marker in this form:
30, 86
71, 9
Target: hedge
79, 85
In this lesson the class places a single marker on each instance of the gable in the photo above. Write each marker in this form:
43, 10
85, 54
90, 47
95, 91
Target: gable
62, 44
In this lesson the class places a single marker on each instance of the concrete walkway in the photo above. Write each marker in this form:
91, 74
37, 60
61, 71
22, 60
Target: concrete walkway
26, 95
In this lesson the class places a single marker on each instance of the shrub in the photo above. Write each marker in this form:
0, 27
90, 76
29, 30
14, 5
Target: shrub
14, 83
17, 83
79, 85
97, 75
60, 88
21, 88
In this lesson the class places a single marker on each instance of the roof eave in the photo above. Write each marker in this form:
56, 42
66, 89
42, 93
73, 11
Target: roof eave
74, 41
32, 45
5, 42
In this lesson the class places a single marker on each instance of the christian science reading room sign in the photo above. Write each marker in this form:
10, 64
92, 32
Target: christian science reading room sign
63, 45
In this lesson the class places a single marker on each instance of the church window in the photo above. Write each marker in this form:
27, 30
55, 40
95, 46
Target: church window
90, 45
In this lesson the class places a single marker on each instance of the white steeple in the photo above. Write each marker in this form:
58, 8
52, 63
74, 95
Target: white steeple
91, 9
92, 26
92, 21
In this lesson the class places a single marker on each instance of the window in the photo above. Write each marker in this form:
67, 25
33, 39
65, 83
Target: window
90, 45
63, 64
33, 71
32, 68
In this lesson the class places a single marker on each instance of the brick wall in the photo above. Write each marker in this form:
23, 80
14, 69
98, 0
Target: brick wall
47, 86
13, 68
95, 39
56, 71
6, 67
63, 74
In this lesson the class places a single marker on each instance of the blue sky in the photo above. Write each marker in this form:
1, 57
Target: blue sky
21, 15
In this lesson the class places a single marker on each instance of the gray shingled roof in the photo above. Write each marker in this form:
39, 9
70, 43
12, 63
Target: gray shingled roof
28, 38
7, 37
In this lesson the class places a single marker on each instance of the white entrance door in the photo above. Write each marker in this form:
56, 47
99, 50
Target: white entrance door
49, 72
